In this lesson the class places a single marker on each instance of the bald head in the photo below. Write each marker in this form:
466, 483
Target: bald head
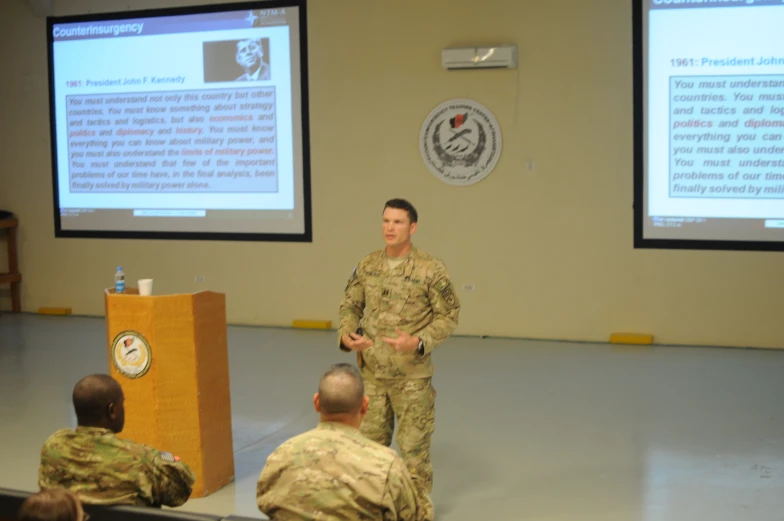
98, 402
341, 390
54, 504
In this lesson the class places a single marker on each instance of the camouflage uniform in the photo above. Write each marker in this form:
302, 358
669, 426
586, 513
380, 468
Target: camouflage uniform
334, 473
417, 297
102, 469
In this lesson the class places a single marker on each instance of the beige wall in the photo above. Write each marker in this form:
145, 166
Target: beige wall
550, 249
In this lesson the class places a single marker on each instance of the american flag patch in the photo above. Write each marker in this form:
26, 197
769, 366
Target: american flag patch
167, 456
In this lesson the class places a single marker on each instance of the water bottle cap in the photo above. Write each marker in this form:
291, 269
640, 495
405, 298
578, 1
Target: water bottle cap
119, 268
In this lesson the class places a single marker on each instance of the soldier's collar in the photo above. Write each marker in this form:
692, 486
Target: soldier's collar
94, 430
407, 256
336, 426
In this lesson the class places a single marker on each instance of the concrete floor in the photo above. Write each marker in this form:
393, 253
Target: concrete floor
525, 430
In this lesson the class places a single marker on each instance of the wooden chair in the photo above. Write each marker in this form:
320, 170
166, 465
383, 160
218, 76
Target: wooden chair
13, 277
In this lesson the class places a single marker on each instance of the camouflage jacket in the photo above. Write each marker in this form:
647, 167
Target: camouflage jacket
103, 469
333, 472
416, 296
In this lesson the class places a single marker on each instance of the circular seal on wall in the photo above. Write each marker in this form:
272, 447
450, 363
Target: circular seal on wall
460, 142
131, 354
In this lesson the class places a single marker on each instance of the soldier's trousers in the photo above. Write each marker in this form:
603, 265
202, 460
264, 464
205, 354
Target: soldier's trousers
412, 402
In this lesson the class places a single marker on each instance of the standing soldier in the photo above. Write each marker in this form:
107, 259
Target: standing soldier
398, 307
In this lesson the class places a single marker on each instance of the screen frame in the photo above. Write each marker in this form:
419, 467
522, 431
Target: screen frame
305, 236
640, 206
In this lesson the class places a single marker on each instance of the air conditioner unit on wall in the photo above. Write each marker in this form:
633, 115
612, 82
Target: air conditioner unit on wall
500, 57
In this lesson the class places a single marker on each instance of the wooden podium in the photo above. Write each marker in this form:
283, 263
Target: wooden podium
170, 355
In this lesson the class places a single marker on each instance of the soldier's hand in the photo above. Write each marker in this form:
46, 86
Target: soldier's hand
403, 342
356, 342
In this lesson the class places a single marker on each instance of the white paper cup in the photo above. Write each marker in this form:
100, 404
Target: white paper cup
145, 287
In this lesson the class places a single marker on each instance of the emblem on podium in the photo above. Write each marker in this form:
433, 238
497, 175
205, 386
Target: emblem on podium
131, 354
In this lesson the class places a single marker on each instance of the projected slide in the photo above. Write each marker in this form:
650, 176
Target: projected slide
188, 124
710, 165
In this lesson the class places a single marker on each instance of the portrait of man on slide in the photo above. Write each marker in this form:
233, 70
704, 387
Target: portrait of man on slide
250, 56
237, 60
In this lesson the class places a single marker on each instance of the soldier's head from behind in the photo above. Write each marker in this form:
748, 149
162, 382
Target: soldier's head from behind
398, 224
99, 402
341, 396
54, 504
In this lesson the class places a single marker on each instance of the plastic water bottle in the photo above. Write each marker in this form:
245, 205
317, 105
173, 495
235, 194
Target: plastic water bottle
119, 281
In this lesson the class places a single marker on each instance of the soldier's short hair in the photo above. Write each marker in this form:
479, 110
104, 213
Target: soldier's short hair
92, 396
54, 504
402, 204
341, 390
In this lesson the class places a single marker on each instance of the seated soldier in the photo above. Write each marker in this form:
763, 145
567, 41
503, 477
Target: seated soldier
333, 471
100, 468
54, 504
